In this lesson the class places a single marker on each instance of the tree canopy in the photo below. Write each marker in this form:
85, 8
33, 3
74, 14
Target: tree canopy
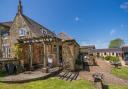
116, 43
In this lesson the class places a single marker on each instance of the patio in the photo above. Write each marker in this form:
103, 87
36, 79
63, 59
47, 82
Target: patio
30, 76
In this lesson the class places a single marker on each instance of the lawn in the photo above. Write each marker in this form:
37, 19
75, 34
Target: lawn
52, 83
117, 87
122, 72
2, 74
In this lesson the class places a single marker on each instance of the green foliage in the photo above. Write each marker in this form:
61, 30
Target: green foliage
116, 43
122, 72
2, 74
52, 83
79, 62
112, 59
18, 50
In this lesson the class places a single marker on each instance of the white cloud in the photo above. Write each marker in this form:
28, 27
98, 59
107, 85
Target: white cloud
77, 18
112, 32
124, 6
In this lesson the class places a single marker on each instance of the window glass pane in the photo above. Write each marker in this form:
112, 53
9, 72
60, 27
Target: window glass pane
22, 32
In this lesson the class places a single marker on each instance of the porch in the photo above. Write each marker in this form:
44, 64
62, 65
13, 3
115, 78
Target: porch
41, 52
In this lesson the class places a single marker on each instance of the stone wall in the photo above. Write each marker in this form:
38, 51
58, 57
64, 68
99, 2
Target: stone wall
18, 23
70, 54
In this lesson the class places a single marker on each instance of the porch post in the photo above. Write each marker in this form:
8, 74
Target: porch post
45, 69
44, 56
31, 61
57, 55
1, 45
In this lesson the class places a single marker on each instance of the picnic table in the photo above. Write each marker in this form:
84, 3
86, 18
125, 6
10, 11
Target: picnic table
116, 64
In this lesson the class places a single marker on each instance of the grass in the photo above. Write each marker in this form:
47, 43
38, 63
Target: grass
122, 72
118, 87
55, 83
52, 83
2, 74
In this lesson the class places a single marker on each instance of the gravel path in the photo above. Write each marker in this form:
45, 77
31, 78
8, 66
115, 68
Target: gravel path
104, 68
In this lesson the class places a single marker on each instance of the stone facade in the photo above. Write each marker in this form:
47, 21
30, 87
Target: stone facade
34, 52
86, 51
70, 51
18, 24
23, 27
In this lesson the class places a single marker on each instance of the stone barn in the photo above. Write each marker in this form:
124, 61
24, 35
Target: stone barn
70, 51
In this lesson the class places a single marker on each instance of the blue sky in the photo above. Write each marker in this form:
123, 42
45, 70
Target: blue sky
88, 21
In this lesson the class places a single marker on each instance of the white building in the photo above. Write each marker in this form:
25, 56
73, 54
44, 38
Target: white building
108, 52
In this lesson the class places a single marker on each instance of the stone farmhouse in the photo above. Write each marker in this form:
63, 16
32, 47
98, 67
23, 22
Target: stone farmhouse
32, 44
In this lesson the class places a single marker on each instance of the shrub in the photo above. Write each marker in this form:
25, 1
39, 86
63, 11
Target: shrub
79, 62
112, 58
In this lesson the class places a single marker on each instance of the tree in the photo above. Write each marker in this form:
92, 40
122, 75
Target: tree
116, 43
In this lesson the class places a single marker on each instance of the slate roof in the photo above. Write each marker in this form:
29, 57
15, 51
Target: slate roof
7, 24
125, 48
117, 50
88, 46
64, 36
37, 28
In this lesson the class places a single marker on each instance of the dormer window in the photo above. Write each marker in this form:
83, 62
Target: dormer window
22, 32
44, 31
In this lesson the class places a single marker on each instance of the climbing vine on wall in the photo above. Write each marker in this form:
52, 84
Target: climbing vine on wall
18, 50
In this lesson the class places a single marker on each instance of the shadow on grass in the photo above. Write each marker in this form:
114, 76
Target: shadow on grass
105, 87
2, 74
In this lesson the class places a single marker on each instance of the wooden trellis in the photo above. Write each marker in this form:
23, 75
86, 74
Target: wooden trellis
44, 40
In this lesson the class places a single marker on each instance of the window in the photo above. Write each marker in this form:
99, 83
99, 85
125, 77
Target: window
105, 53
112, 53
6, 51
5, 35
22, 32
55, 49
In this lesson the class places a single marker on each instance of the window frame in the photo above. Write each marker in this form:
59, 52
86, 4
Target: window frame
22, 32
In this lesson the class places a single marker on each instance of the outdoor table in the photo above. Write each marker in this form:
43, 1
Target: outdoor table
116, 64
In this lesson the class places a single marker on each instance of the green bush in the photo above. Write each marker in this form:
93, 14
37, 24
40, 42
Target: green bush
112, 58
79, 62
